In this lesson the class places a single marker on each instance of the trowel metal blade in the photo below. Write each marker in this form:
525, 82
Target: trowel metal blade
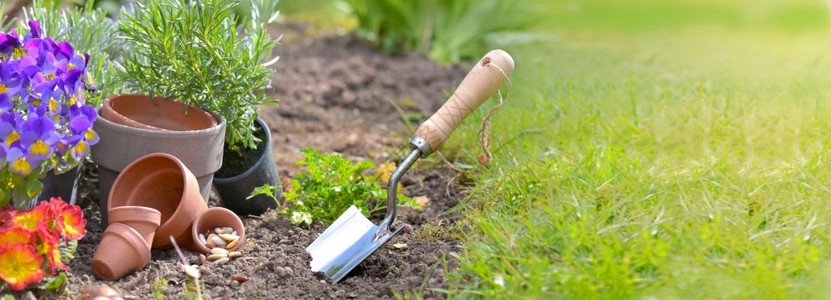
345, 244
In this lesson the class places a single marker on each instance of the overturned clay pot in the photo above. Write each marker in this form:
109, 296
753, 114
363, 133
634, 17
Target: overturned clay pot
122, 250
145, 220
216, 217
161, 181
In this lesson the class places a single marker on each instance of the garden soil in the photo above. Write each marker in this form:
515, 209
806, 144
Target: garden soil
337, 94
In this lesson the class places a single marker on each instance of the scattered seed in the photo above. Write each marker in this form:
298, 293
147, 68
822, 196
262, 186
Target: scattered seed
222, 260
219, 250
202, 239
202, 259
232, 244
234, 254
192, 271
240, 278
216, 256
219, 242
228, 237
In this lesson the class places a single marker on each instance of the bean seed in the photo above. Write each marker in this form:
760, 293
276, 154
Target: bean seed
232, 244
202, 239
234, 254
240, 278
222, 260
202, 259
217, 240
228, 237
218, 230
192, 271
218, 250
217, 256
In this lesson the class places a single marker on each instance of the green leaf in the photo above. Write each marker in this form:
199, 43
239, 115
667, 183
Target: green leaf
52, 283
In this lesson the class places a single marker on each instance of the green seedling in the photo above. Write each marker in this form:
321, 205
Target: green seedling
329, 186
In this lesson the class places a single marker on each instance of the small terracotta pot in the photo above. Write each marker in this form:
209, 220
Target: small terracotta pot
143, 219
161, 181
122, 250
216, 217
158, 113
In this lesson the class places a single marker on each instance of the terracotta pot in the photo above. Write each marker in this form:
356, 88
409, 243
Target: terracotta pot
122, 250
145, 220
161, 181
158, 113
212, 218
200, 150
235, 189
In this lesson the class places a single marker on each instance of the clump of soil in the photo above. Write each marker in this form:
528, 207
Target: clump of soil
338, 94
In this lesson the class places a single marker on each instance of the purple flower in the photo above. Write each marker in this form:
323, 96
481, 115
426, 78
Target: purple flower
10, 80
39, 138
19, 163
10, 45
34, 31
10, 123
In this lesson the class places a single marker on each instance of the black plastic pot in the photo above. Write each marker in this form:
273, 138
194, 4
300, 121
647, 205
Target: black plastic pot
235, 189
62, 185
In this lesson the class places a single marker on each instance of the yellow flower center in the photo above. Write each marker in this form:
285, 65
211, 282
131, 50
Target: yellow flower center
81, 149
39, 148
13, 137
3, 88
72, 100
36, 102
54, 104
18, 53
22, 166
89, 135
70, 66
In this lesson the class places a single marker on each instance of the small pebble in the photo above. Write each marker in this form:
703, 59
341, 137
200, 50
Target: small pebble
234, 283
240, 278
280, 271
407, 229
289, 271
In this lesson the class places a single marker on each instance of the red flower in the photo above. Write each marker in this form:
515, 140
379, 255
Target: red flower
70, 219
48, 245
11, 235
20, 265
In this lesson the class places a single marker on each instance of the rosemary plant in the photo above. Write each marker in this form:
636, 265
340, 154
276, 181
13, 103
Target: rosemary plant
196, 52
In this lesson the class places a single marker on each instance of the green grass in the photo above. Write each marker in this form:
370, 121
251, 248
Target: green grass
656, 150
654, 163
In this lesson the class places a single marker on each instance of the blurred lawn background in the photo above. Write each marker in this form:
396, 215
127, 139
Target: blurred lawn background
653, 150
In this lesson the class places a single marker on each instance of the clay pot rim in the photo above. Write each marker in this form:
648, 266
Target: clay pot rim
221, 211
260, 161
139, 214
178, 212
220, 123
136, 124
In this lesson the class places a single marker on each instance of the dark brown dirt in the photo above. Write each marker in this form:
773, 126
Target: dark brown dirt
336, 95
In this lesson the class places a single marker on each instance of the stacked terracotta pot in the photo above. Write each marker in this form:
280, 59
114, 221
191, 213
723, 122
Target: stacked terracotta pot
153, 199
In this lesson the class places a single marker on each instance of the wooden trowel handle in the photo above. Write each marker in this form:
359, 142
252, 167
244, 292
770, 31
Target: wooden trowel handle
479, 84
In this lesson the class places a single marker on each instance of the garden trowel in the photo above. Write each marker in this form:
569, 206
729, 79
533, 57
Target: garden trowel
352, 237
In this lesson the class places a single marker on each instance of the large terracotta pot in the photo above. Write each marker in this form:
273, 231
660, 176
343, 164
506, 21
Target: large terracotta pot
122, 250
161, 181
235, 189
158, 113
120, 145
211, 219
